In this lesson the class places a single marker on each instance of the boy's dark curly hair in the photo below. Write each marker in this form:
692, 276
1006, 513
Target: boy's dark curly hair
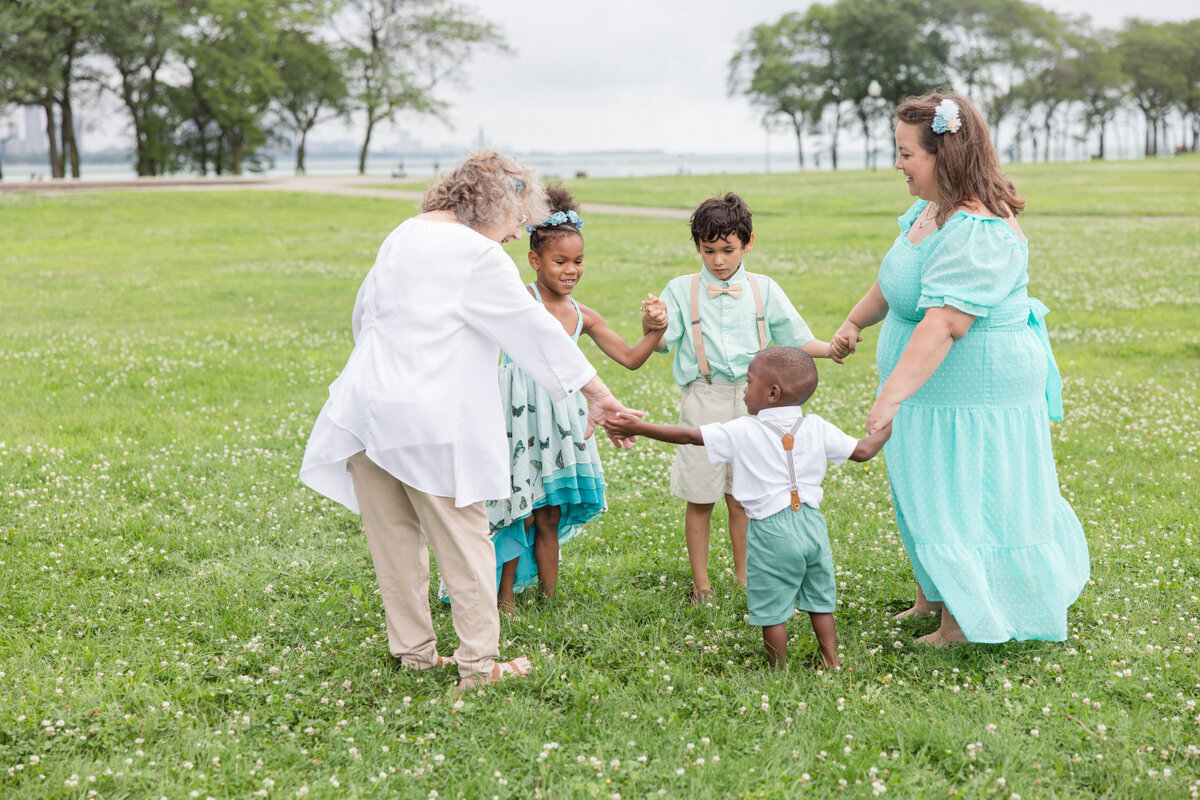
718, 217
561, 199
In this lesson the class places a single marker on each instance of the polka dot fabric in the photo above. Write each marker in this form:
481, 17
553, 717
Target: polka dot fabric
970, 459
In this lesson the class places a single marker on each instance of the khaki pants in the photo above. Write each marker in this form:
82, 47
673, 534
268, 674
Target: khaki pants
693, 477
399, 520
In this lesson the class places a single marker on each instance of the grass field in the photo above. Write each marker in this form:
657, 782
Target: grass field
181, 618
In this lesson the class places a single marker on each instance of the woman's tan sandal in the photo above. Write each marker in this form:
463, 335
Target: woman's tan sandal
519, 667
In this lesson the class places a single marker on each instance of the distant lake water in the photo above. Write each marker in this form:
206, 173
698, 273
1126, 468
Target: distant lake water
548, 165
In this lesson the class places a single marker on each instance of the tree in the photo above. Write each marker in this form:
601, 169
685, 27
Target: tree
821, 22
314, 85
1098, 83
1189, 35
996, 47
229, 56
894, 47
140, 37
42, 45
400, 51
1153, 58
776, 71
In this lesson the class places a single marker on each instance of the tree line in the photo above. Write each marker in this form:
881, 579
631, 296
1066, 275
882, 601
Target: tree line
210, 85
1040, 73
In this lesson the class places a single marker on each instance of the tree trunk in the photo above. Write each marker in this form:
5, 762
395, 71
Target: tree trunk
1100, 150
56, 164
866, 126
798, 126
300, 152
70, 147
362, 154
833, 139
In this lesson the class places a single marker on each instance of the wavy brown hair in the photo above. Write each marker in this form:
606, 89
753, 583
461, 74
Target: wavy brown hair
488, 189
966, 167
561, 199
719, 217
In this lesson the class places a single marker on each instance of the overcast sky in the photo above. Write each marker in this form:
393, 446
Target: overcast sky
636, 74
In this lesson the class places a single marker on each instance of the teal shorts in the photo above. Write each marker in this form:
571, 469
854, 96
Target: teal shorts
789, 565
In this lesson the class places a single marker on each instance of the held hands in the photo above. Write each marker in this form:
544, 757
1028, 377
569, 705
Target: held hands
654, 314
622, 425
844, 342
881, 414
603, 410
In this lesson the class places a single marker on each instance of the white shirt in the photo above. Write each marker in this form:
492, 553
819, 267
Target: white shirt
419, 391
760, 473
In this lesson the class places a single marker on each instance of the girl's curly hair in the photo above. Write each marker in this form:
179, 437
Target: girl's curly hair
560, 199
488, 189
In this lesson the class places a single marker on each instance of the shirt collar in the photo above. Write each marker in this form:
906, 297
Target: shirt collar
736, 277
780, 413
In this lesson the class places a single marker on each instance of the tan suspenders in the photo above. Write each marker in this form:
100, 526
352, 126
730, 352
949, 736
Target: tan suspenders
789, 441
698, 339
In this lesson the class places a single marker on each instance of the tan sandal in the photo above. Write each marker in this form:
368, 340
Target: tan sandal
442, 661
519, 667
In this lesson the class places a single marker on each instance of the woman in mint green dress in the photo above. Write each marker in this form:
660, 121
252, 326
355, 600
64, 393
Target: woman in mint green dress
969, 383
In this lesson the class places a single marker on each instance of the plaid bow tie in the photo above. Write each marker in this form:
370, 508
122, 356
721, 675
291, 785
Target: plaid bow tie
734, 291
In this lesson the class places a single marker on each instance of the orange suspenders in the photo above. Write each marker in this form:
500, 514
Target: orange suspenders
789, 441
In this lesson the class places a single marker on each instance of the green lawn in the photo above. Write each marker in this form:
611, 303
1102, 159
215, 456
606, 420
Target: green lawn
181, 618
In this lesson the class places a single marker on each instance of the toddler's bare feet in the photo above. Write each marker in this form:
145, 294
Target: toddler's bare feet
507, 606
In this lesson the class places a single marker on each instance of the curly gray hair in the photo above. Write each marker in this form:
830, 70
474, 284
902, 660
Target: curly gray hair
488, 189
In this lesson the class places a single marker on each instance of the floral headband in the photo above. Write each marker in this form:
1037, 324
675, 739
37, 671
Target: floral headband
945, 118
557, 218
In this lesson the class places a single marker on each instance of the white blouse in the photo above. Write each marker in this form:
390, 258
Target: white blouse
419, 392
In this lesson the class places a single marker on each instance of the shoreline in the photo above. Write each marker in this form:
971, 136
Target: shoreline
342, 185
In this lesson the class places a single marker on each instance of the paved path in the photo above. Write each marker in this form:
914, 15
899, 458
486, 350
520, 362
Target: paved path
345, 185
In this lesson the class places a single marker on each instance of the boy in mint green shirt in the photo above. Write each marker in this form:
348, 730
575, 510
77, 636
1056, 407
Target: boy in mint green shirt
718, 320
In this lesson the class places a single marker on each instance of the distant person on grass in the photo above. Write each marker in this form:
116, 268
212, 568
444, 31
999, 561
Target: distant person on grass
968, 381
557, 478
777, 456
718, 319
412, 435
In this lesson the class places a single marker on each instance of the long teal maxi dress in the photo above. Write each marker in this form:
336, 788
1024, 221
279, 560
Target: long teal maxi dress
970, 462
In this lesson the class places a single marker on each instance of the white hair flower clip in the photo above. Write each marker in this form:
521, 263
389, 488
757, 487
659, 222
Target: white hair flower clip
945, 118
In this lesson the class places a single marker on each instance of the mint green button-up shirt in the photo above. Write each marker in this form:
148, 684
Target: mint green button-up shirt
727, 325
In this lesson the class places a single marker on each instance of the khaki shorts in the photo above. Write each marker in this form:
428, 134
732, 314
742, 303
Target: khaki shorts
693, 478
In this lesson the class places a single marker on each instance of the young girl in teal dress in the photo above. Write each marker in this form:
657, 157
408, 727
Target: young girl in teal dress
557, 480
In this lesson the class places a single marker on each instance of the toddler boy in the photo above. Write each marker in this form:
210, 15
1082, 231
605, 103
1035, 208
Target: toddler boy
778, 457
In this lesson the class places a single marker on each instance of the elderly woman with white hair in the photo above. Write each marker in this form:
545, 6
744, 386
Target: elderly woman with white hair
412, 436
